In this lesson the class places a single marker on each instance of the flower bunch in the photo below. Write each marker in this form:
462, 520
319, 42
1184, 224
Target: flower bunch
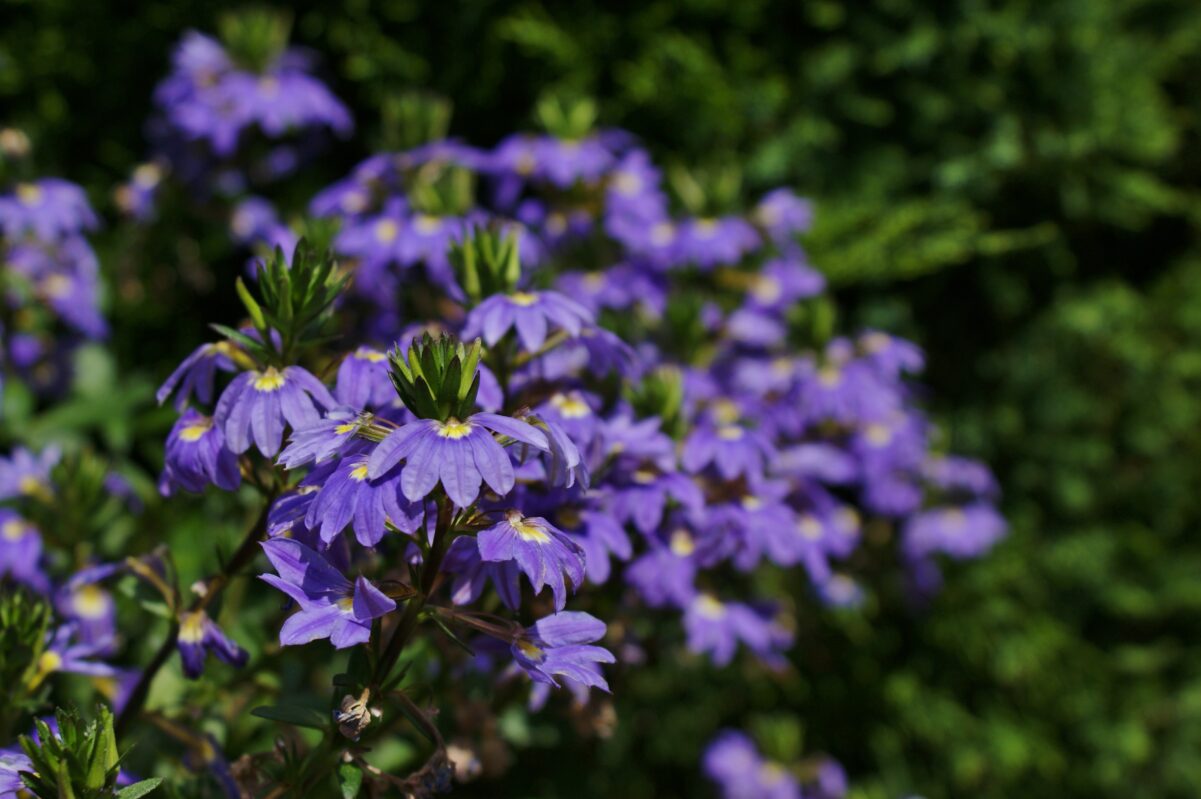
50, 279
539, 415
243, 108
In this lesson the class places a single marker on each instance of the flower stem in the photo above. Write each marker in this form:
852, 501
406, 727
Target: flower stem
241, 557
429, 575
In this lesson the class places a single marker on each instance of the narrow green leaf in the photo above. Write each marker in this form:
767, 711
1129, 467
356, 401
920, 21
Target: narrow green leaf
139, 788
296, 715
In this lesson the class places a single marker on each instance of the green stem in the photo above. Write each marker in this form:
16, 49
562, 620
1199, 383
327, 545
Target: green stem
241, 557
429, 575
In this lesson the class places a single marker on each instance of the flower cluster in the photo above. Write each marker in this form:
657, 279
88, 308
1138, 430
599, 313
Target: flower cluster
50, 279
246, 109
741, 772
528, 406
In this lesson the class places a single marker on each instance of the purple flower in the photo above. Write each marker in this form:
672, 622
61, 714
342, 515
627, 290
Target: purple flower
560, 162
48, 209
559, 646
206, 98
363, 380
666, 575
783, 214
544, 553
460, 454
733, 762
961, 532
21, 552
64, 275
964, 475
715, 242
330, 605
891, 355
471, 574
324, 439
260, 403
24, 474
92, 610
716, 628
781, 282
199, 635
136, 198
12, 763
195, 375
349, 497
532, 313
196, 456
733, 450
64, 653
642, 494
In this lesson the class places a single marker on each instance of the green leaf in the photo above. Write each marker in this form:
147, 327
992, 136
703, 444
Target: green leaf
350, 780
296, 715
252, 306
139, 788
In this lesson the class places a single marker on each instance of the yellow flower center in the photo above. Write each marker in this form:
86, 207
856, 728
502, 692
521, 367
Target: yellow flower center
751, 502
353, 202
874, 342
682, 544
530, 531
368, 354
830, 376
706, 227
767, 289
523, 298
730, 433
645, 476
454, 429
628, 183
195, 431
147, 175
29, 485
345, 604
556, 224
269, 86
662, 234
29, 194
771, 773
809, 527
428, 224
878, 435
191, 627
359, 472
530, 650
710, 606
570, 406
90, 602
955, 517
345, 427
525, 164
782, 366
725, 411
848, 520
57, 286
270, 380
386, 231
50, 661
13, 530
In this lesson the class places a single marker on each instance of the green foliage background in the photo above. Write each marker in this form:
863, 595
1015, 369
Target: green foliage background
1012, 183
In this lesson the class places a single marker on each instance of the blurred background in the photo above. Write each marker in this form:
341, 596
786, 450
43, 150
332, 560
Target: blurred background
1013, 184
